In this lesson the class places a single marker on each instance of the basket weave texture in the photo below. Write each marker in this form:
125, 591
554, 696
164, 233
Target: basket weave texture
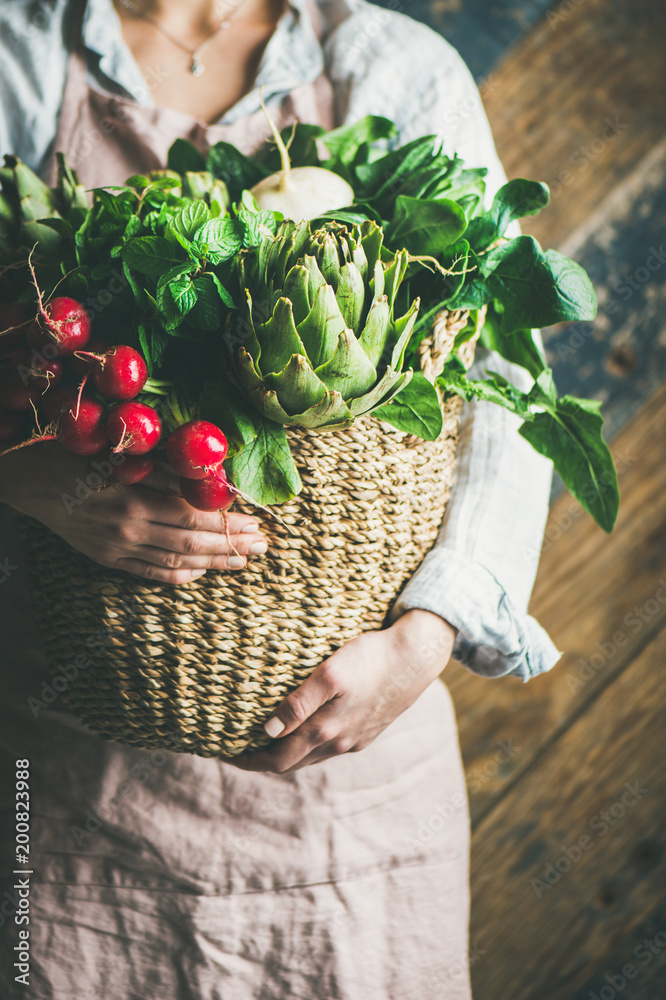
199, 667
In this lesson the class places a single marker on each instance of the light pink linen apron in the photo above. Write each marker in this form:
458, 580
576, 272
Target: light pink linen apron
161, 876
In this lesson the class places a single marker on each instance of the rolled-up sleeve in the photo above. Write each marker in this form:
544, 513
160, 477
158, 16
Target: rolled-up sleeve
480, 572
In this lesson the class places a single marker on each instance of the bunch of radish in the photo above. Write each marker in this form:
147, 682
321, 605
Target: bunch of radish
196, 451
46, 367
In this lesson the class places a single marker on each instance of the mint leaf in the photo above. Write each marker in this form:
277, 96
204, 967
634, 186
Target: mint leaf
415, 409
189, 219
570, 435
151, 255
175, 299
218, 239
206, 313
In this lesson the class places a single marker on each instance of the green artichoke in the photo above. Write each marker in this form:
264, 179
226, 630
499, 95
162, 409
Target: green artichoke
321, 345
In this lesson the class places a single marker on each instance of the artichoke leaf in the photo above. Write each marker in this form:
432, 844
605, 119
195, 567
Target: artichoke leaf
248, 377
371, 241
403, 329
296, 290
376, 331
377, 281
32, 210
297, 386
348, 370
278, 338
350, 296
316, 279
331, 409
394, 274
329, 261
388, 386
321, 328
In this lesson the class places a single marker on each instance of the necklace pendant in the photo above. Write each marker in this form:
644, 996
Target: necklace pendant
196, 66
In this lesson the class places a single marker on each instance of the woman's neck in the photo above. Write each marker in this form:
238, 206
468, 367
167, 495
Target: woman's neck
196, 19
230, 57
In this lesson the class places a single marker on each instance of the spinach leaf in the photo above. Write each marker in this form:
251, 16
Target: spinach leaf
570, 435
259, 461
518, 347
425, 227
415, 409
345, 142
236, 170
535, 288
183, 156
515, 200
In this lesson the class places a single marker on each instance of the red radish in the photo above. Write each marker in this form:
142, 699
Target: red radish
56, 398
63, 324
14, 395
43, 372
133, 428
13, 318
33, 367
215, 492
82, 365
195, 447
133, 469
121, 373
82, 427
11, 426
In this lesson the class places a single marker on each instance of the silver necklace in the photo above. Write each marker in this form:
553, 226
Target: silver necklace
196, 66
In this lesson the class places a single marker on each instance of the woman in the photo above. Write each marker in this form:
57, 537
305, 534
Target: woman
172, 876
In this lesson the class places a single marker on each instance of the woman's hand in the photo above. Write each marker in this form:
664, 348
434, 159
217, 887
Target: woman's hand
355, 694
147, 530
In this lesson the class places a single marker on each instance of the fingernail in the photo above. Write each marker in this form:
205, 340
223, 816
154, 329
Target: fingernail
196, 573
235, 562
258, 548
274, 727
250, 528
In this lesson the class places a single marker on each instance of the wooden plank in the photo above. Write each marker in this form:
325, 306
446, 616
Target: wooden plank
620, 358
573, 860
639, 962
579, 102
588, 587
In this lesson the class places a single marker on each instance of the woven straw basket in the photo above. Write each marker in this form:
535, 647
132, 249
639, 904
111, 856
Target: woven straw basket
198, 668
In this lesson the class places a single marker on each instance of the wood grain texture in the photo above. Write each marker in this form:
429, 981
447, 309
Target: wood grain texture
620, 358
588, 588
578, 851
578, 103
639, 961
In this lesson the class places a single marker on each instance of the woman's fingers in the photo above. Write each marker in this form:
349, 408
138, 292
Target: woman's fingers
200, 543
320, 687
163, 480
162, 509
148, 571
233, 560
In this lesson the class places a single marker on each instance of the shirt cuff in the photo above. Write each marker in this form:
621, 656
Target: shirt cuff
494, 638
